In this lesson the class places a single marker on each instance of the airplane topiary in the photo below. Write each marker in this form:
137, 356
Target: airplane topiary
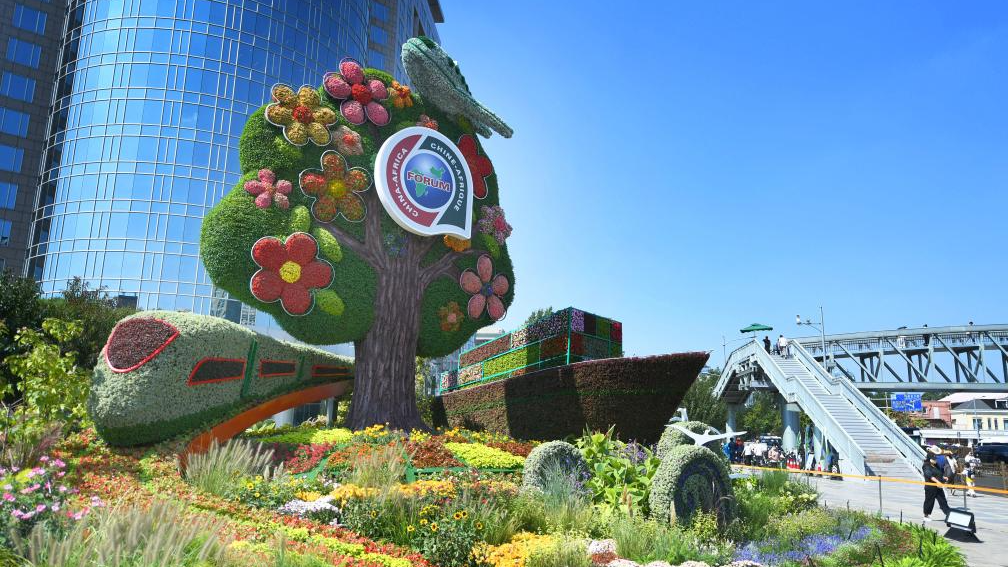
306, 237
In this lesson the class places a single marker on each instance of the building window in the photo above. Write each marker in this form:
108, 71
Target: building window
29, 19
5, 232
13, 122
11, 158
23, 52
8, 195
379, 11
16, 86
977, 423
378, 36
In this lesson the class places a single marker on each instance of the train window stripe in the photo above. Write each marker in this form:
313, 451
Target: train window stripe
327, 371
210, 370
130, 323
270, 368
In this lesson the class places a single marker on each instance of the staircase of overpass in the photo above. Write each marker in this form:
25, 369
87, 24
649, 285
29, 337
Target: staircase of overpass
868, 442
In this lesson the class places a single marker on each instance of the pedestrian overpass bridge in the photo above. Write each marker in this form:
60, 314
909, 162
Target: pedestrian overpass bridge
962, 358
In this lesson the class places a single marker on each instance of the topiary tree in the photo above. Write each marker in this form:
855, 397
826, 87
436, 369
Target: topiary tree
549, 457
305, 236
691, 478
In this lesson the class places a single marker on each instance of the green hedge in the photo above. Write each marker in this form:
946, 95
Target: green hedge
155, 402
636, 395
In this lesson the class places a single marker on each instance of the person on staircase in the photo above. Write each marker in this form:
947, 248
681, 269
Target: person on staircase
933, 473
782, 346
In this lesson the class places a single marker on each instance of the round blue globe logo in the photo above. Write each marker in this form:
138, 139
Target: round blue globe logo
428, 180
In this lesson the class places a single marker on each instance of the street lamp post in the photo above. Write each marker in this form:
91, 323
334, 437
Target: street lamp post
821, 326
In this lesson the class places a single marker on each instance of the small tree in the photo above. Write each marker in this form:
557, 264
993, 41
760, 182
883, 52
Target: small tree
19, 307
305, 237
541, 313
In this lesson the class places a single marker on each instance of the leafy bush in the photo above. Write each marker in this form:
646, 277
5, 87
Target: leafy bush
644, 540
34, 496
620, 473
563, 552
271, 491
483, 457
549, 456
159, 536
24, 440
690, 479
383, 467
217, 470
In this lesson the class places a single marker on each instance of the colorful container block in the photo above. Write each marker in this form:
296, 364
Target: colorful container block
567, 336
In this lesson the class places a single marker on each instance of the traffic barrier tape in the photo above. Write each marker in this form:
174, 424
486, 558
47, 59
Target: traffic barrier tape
875, 478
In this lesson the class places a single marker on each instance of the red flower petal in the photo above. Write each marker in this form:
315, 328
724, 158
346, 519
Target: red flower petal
479, 187
476, 305
295, 299
301, 248
269, 253
377, 113
495, 308
467, 145
316, 274
500, 285
484, 267
267, 286
470, 282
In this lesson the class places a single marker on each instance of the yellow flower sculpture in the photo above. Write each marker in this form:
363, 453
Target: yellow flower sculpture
301, 115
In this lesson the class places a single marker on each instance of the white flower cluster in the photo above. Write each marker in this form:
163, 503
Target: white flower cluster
321, 509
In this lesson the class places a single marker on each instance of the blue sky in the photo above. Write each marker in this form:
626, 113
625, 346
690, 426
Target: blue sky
690, 168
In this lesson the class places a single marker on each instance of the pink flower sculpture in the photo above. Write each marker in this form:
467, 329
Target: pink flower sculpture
359, 95
486, 289
492, 222
289, 271
267, 190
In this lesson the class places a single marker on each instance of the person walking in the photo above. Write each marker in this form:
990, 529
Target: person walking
933, 474
766, 343
726, 449
782, 346
971, 463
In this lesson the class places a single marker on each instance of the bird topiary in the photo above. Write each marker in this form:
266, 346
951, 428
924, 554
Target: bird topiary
689, 479
549, 457
673, 437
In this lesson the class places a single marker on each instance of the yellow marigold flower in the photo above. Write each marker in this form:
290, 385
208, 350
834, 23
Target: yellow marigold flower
433, 526
423, 521
410, 529
465, 514
479, 526
374, 514
457, 516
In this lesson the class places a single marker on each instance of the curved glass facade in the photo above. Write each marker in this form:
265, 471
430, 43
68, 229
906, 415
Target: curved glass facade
150, 100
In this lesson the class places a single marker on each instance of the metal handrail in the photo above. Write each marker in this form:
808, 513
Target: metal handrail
854, 453
903, 443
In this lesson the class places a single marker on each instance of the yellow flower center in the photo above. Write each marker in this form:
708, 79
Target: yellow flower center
290, 272
336, 188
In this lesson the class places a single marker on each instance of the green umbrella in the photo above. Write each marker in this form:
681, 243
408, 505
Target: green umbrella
756, 327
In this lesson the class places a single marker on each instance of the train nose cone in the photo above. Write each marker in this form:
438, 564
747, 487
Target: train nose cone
135, 342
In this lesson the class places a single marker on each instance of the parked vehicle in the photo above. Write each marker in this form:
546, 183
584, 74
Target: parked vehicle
992, 452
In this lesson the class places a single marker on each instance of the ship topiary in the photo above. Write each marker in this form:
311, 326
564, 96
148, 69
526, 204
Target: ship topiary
691, 478
552, 457
305, 237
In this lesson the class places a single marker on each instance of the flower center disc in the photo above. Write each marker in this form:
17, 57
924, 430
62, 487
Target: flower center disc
336, 188
302, 114
487, 290
290, 272
361, 94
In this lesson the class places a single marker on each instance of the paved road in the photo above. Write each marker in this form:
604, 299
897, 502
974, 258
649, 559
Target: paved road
991, 513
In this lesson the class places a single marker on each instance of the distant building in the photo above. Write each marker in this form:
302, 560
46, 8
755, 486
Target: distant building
938, 412
981, 414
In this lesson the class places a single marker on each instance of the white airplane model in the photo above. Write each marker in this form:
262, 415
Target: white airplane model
705, 438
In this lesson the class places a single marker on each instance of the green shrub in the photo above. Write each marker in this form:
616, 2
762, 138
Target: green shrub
162, 535
383, 467
620, 473
690, 479
553, 455
482, 457
217, 470
566, 504
563, 552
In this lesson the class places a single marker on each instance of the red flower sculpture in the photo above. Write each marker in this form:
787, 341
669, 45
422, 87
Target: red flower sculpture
479, 165
486, 289
289, 272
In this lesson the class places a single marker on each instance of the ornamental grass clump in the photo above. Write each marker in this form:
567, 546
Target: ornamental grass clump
567, 505
162, 535
382, 468
217, 470
563, 552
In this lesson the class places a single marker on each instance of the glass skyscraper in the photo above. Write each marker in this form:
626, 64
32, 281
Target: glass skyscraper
150, 99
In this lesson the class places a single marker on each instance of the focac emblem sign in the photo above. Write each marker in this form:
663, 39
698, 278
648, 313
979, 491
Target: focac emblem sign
424, 183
